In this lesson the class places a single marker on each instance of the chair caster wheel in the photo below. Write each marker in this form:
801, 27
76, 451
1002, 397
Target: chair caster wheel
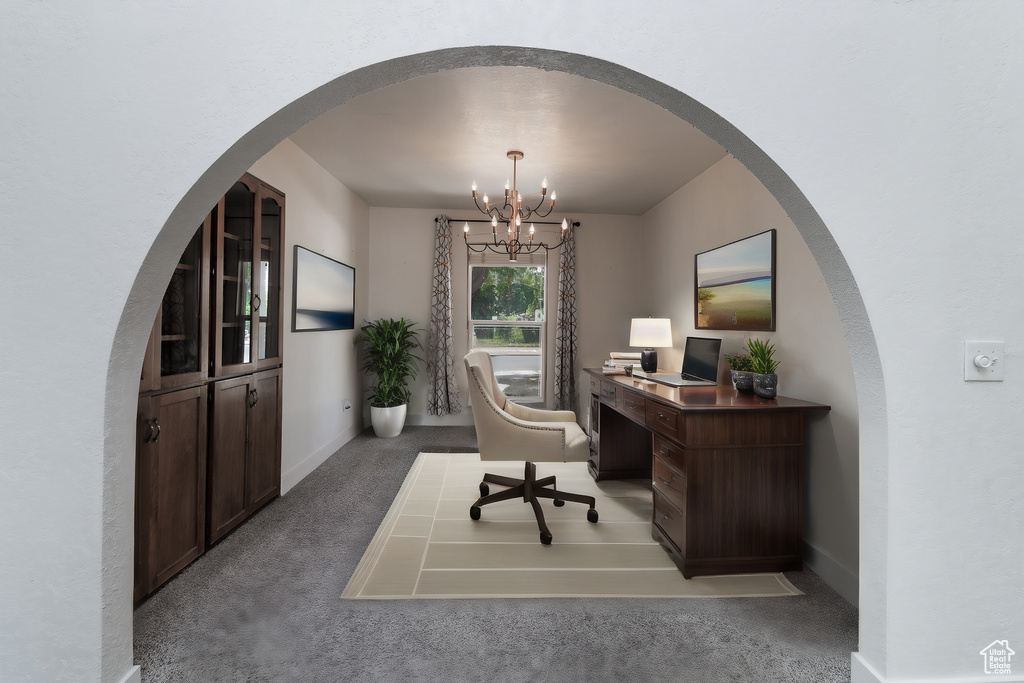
592, 515
545, 537
559, 503
484, 489
474, 512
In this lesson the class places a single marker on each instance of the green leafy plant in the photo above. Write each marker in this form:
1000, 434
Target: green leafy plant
388, 345
761, 355
740, 362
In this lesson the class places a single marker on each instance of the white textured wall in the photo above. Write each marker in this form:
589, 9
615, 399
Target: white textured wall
722, 205
320, 371
887, 130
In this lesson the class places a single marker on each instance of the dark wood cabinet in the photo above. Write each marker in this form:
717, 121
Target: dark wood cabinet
245, 465
170, 516
726, 470
247, 330
209, 452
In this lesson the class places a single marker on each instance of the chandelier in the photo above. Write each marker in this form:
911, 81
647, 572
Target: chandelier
514, 213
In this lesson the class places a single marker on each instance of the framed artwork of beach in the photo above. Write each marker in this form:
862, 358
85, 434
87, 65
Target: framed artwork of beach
734, 285
324, 291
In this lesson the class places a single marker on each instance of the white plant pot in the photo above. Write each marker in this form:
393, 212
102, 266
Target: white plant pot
388, 422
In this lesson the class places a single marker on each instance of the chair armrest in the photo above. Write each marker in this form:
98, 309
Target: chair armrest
536, 415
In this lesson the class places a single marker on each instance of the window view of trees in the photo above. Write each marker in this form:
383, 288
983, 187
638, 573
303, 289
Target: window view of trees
507, 310
507, 293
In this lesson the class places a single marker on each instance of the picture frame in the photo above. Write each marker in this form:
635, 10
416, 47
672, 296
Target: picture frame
734, 285
324, 293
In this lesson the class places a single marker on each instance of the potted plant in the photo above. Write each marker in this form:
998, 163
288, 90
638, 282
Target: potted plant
388, 345
766, 382
742, 368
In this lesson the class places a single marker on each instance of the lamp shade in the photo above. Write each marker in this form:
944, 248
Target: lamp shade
651, 332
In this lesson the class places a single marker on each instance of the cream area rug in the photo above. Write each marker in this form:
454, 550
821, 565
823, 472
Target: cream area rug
428, 547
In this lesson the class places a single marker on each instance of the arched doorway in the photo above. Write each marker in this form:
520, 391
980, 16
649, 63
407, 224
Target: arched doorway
133, 328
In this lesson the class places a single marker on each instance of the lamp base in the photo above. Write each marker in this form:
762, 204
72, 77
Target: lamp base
649, 360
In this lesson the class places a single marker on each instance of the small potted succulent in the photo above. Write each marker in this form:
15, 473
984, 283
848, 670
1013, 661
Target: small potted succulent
387, 347
742, 368
766, 382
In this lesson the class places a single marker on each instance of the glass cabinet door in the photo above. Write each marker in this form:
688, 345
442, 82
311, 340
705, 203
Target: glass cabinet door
180, 314
268, 301
178, 351
233, 334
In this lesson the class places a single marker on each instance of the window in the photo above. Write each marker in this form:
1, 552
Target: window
506, 319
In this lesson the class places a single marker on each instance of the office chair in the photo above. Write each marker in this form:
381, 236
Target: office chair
509, 431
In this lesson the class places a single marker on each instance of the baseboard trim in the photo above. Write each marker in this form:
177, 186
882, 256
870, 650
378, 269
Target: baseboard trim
862, 672
835, 574
463, 419
300, 471
134, 675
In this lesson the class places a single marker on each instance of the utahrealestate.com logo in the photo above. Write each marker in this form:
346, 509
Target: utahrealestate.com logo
997, 657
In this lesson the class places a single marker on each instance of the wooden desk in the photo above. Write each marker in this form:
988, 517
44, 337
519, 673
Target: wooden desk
726, 469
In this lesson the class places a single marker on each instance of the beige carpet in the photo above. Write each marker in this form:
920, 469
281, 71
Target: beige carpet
428, 547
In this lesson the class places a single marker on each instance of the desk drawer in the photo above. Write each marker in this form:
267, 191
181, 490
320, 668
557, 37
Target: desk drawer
670, 520
665, 421
672, 453
634, 405
595, 385
608, 394
669, 482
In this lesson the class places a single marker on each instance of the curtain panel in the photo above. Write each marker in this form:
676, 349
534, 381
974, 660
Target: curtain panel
443, 397
566, 361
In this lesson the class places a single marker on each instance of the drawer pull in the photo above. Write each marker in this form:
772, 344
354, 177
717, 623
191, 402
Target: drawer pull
630, 404
666, 481
662, 417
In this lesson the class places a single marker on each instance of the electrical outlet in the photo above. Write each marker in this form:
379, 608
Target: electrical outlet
984, 361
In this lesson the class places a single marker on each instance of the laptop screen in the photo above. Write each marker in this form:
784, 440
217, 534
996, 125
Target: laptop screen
700, 358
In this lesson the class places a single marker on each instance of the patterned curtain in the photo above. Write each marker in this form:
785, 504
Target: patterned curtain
566, 362
443, 398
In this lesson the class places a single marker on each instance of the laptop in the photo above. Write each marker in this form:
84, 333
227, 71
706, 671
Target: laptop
700, 365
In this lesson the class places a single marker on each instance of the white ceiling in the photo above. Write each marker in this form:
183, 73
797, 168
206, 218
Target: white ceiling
423, 142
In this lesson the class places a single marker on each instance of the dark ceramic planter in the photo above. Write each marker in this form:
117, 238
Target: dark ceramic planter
743, 380
766, 386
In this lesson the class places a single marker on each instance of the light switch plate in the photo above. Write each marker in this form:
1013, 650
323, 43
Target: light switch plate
983, 361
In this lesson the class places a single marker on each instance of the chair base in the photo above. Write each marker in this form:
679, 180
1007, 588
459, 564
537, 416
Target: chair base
530, 489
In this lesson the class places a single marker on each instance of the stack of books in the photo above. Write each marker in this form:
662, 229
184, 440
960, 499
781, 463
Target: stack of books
619, 360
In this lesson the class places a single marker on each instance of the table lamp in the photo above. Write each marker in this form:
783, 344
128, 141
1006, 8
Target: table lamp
649, 333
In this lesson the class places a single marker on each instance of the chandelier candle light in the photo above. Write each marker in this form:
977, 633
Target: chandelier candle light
513, 213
